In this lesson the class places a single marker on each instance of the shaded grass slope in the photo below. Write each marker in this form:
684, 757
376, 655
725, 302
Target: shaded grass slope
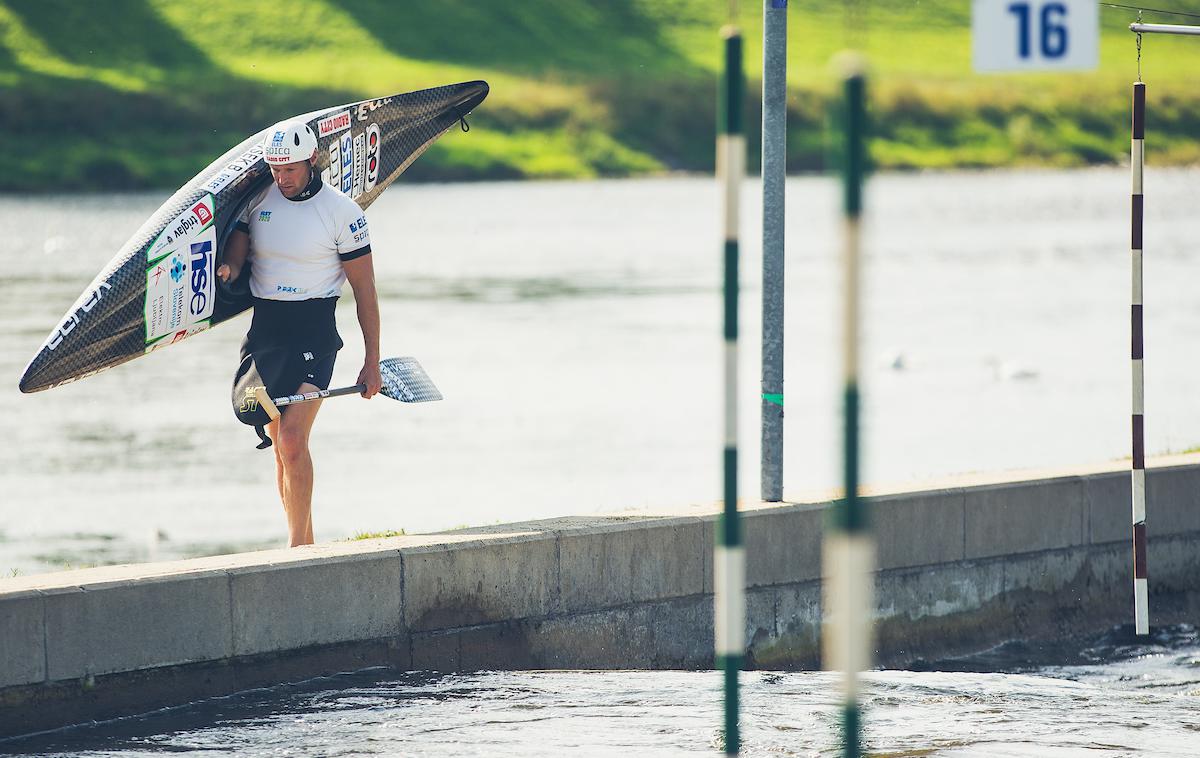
144, 93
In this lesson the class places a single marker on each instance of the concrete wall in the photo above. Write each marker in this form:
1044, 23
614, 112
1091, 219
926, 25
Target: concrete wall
961, 567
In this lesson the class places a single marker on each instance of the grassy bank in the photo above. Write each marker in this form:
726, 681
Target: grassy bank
143, 93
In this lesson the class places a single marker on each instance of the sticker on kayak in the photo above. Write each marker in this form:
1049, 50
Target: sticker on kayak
347, 172
354, 162
373, 141
198, 216
176, 337
179, 277
333, 124
360, 165
235, 168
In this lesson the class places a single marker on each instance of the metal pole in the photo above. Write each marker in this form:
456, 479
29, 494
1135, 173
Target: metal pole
729, 559
774, 170
849, 551
1138, 484
1193, 31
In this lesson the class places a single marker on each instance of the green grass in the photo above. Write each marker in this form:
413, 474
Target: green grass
143, 93
376, 535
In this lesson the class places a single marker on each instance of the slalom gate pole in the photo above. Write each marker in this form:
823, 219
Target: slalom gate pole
849, 550
774, 172
1141, 613
729, 560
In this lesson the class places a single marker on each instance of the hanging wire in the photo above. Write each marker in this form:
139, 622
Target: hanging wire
1139, 49
1139, 9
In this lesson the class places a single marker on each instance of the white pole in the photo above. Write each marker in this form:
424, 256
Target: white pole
1193, 31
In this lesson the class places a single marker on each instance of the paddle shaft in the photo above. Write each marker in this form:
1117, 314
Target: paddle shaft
308, 397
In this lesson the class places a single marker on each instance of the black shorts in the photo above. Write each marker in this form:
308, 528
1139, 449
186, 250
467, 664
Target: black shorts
302, 325
284, 371
290, 343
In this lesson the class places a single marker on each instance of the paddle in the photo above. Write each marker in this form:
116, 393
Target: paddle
403, 380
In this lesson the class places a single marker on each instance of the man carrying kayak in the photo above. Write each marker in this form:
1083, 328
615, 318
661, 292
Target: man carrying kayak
303, 240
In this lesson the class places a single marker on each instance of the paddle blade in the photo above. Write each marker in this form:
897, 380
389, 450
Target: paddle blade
406, 381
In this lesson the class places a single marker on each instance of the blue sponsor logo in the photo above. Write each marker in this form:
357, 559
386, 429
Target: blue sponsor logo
277, 139
264, 216
200, 263
347, 162
292, 290
177, 270
361, 223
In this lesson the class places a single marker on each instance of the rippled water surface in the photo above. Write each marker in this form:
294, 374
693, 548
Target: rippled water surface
574, 329
1116, 697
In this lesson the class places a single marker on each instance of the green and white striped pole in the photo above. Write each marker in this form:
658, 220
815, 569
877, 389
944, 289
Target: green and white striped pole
729, 559
849, 550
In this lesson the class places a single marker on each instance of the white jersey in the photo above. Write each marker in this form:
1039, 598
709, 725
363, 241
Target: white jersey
297, 246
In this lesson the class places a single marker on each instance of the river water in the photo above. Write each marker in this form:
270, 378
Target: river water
1108, 696
574, 328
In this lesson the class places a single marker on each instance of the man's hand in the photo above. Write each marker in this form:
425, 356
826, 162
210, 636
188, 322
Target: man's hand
225, 273
370, 376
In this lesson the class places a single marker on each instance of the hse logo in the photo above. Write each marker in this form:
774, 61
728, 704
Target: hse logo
264, 216
201, 264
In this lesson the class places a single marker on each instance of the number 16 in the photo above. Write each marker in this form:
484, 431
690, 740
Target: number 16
1054, 34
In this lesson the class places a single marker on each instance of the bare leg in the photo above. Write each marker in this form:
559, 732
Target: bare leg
294, 469
280, 483
273, 433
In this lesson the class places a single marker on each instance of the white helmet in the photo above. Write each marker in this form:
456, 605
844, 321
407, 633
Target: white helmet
289, 142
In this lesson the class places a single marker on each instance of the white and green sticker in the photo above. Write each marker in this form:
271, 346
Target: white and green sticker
180, 274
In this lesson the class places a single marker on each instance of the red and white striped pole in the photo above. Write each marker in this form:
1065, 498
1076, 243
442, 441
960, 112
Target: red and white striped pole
1137, 156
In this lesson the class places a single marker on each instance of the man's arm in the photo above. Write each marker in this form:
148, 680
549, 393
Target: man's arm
237, 247
360, 272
